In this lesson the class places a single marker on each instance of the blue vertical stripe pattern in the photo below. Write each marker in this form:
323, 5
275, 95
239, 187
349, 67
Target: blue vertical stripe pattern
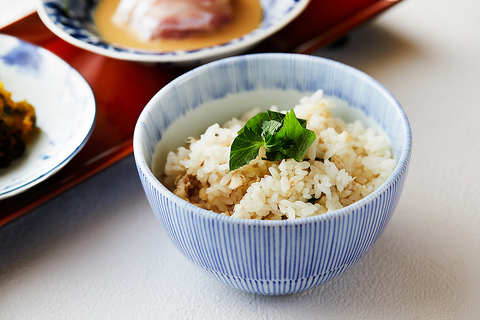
272, 257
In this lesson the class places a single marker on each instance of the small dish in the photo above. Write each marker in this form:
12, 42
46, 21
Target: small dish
73, 22
65, 110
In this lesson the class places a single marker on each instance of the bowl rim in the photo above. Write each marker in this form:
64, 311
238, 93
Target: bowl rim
400, 169
235, 45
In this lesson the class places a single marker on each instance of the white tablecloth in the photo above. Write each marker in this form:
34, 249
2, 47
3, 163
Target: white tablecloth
97, 252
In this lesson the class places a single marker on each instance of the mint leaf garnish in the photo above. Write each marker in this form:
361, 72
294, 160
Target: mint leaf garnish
244, 148
283, 136
298, 139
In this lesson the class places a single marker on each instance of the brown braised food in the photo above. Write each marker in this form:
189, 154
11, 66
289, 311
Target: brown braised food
17, 127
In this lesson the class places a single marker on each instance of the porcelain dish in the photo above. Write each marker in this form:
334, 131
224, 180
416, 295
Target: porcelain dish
65, 110
267, 257
73, 22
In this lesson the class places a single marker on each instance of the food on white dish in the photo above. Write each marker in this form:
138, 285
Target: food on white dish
154, 19
345, 163
17, 127
169, 25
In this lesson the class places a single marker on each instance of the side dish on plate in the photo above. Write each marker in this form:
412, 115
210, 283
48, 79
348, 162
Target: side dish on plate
17, 127
64, 111
168, 25
281, 167
172, 19
206, 30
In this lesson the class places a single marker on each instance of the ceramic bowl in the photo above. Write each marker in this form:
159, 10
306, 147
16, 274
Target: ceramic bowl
267, 257
73, 22
64, 106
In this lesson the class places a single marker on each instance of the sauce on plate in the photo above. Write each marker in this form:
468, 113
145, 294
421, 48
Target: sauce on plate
247, 15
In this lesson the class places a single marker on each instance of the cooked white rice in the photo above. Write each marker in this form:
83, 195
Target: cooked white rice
345, 163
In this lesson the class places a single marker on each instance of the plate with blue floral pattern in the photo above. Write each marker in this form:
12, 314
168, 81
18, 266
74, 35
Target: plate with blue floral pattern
64, 106
73, 21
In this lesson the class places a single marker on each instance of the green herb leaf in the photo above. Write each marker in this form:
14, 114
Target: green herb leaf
297, 139
244, 148
269, 128
277, 116
283, 136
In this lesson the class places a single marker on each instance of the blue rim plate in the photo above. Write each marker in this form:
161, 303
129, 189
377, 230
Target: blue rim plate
65, 108
73, 22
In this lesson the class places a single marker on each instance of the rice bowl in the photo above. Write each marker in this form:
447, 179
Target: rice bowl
264, 256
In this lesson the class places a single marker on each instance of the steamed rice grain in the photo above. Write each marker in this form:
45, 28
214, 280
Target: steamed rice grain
346, 162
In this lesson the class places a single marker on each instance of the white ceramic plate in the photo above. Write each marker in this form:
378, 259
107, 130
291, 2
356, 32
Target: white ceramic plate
64, 105
73, 22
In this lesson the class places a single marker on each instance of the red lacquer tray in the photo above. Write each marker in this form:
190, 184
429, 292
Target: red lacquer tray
123, 88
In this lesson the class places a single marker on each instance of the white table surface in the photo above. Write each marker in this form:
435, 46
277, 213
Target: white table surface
97, 252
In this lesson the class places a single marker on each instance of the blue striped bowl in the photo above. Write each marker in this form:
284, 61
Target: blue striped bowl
266, 257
